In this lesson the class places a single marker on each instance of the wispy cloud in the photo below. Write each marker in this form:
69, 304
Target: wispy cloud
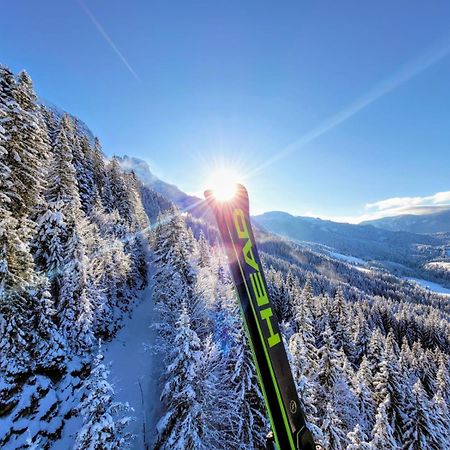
105, 35
389, 204
395, 206
403, 74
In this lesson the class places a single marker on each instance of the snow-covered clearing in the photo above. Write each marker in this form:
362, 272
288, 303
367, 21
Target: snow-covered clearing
440, 265
435, 287
134, 372
349, 259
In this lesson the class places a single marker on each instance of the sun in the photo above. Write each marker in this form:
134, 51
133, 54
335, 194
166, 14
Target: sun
223, 182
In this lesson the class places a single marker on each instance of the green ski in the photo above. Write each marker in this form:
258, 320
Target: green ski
274, 373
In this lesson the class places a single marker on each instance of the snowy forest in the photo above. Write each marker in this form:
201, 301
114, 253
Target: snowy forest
83, 244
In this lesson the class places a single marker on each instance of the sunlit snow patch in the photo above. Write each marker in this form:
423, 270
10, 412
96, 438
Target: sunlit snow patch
429, 285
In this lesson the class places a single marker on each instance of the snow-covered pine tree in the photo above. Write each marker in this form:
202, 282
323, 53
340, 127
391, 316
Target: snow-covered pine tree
334, 387
174, 276
114, 267
181, 427
25, 305
60, 244
421, 428
441, 416
117, 193
84, 167
389, 380
382, 433
375, 351
250, 429
104, 420
333, 429
218, 401
358, 440
443, 378
75, 305
27, 149
276, 291
366, 406
361, 337
303, 324
304, 372
339, 323
62, 206
99, 172
138, 234
204, 252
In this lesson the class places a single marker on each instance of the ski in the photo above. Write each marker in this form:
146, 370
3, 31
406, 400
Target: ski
260, 323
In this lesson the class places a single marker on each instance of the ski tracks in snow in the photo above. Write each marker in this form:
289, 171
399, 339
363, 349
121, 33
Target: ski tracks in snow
135, 369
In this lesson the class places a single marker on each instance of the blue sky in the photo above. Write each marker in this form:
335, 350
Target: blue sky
330, 106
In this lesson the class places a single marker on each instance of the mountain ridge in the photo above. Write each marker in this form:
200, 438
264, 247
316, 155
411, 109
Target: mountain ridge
362, 241
435, 222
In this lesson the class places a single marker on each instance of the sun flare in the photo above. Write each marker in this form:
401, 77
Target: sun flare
223, 183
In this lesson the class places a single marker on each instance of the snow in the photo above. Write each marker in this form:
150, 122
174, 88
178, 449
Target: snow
349, 259
435, 287
442, 265
70, 396
133, 367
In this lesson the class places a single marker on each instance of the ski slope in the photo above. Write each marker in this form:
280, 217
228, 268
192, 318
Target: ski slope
435, 287
134, 372
348, 259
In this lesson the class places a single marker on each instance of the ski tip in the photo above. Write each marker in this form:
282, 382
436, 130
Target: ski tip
240, 198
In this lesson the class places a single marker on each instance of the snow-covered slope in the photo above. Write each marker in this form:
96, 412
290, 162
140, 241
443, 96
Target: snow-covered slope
429, 285
135, 369
366, 242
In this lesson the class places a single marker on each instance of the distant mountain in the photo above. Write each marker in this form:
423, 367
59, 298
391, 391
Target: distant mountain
362, 241
194, 205
436, 222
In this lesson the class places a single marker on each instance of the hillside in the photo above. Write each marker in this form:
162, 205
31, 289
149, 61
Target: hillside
379, 246
435, 222
73, 258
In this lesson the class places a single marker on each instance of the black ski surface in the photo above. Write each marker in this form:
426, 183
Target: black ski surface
261, 325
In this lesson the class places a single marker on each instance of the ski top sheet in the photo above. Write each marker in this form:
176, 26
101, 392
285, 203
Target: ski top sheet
261, 325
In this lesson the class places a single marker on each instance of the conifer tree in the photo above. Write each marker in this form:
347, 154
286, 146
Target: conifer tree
332, 379
75, 305
388, 380
27, 147
421, 430
174, 276
104, 420
84, 167
99, 172
358, 440
333, 429
362, 382
28, 335
181, 426
441, 414
382, 433
251, 428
